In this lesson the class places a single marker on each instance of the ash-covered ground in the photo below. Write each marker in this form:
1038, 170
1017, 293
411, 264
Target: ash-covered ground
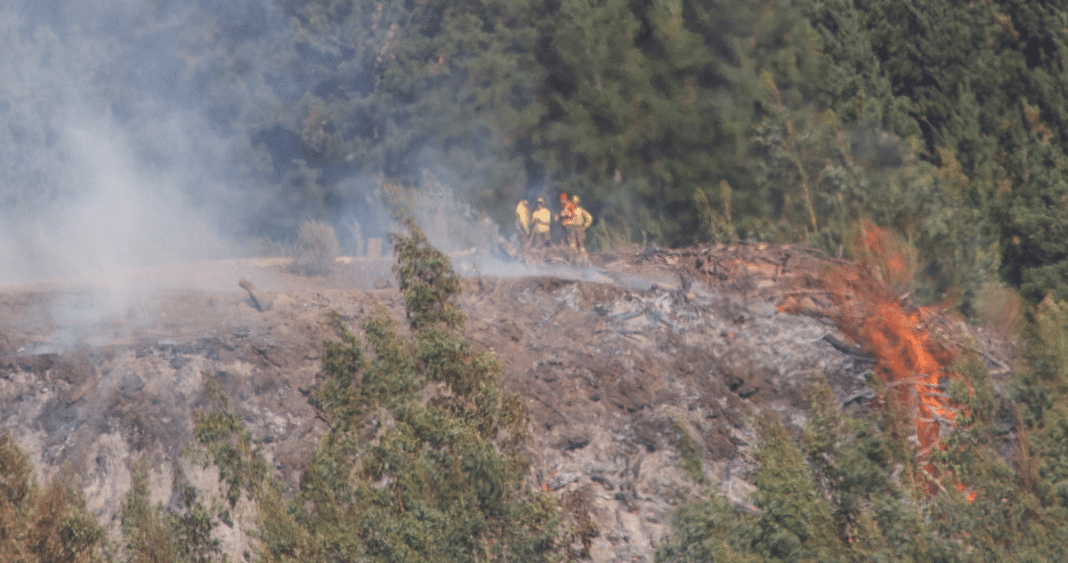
617, 358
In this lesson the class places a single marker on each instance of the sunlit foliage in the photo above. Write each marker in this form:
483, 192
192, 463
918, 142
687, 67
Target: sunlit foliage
423, 458
43, 525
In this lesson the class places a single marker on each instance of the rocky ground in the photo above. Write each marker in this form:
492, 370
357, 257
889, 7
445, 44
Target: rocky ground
618, 357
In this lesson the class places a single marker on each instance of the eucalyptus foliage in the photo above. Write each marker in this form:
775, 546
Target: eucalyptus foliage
852, 488
39, 525
423, 458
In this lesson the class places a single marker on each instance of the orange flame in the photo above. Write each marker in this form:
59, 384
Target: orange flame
912, 364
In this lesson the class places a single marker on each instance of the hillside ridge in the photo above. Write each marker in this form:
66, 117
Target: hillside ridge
618, 361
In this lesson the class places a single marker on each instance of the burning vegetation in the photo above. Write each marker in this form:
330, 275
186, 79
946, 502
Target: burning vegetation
867, 306
869, 302
912, 365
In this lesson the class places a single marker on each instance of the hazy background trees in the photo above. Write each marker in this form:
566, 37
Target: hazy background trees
134, 132
678, 121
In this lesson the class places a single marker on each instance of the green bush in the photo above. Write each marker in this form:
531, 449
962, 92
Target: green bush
691, 454
155, 534
421, 463
228, 445
427, 280
43, 526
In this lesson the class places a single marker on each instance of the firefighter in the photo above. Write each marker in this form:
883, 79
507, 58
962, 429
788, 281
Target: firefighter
566, 218
542, 221
566, 208
522, 221
579, 221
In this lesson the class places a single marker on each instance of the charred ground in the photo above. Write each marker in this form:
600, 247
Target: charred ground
622, 362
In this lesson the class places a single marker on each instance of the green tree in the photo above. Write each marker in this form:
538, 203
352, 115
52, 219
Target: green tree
1040, 388
427, 280
708, 531
983, 510
646, 103
39, 526
396, 88
423, 460
794, 523
155, 534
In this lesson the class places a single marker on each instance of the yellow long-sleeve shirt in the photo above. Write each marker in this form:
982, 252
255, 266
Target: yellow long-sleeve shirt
522, 217
542, 219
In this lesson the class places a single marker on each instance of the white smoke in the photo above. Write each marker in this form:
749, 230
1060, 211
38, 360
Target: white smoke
128, 139
104, 167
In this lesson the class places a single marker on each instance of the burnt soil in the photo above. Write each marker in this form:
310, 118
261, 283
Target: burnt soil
618, 358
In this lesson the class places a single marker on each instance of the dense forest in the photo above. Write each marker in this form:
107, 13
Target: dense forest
146, 128
678, 122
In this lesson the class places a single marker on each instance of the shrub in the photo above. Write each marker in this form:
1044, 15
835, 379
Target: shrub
427, 279
317, 247
420, 463
49, 524
156, 533
691, 454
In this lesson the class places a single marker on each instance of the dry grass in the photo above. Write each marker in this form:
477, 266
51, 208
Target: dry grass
317, 247
891, 258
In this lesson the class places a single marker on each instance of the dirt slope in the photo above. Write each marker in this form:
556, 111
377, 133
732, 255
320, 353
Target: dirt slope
617, 361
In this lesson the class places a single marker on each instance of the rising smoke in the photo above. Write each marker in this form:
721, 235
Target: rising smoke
136, 132
105, 165
140, 133
119, 149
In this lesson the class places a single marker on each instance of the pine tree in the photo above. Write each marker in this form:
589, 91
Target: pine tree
794, 523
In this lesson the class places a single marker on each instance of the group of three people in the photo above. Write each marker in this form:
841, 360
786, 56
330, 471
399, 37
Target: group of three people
534, 228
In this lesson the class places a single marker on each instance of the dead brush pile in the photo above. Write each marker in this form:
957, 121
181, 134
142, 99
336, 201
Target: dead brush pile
797, 279
912, 346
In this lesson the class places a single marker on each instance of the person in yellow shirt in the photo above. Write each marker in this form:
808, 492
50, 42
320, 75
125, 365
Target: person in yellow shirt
542, 221
577, 223
566, 217
522, 220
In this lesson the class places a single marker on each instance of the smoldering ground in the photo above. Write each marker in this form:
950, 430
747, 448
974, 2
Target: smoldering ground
135, 135
109, 162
